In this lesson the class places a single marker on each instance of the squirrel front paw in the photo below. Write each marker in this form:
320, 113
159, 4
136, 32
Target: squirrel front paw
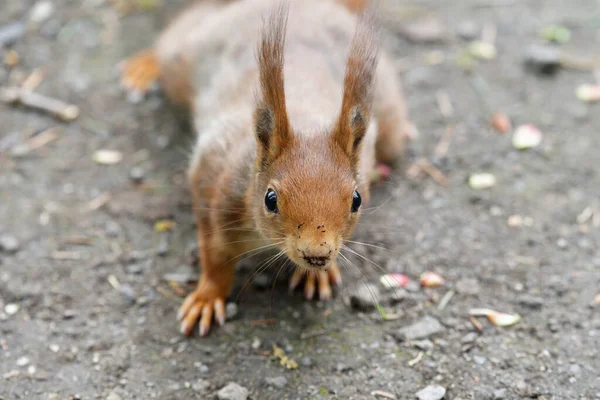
324, 280
200, 306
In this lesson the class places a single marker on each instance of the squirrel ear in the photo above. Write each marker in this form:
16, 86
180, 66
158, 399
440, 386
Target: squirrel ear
354, 118
270, 117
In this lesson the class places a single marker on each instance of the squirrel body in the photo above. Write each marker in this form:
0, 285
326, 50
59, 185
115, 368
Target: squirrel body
293, 103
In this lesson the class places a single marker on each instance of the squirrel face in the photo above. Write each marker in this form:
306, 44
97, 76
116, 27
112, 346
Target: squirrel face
305, 193
307, 197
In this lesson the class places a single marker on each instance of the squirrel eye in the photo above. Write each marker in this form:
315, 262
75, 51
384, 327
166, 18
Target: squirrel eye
356, 200
271, 201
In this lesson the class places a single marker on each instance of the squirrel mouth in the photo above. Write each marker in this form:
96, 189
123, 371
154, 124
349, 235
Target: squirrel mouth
316, 262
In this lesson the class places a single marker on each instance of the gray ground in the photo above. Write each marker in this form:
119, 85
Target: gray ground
76, 336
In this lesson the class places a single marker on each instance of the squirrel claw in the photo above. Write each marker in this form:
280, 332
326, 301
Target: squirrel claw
196, 308
324, 280
140, 72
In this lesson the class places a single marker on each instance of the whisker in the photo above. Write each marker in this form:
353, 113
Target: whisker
368, 244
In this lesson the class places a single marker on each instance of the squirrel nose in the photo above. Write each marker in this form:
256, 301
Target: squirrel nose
317, 261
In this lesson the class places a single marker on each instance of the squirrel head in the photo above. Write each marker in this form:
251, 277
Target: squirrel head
306, 189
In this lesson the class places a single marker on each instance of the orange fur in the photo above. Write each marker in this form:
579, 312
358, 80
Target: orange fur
305, 114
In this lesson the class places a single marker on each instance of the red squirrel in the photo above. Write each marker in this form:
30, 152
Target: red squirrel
293, 103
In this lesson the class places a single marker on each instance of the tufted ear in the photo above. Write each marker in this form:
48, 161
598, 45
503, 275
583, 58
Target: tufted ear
271, 124
354, 118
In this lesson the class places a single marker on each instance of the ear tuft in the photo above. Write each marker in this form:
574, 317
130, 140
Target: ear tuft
358, 85
270, 117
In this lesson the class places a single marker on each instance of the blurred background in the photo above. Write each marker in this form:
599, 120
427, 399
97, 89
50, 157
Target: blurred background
498, 205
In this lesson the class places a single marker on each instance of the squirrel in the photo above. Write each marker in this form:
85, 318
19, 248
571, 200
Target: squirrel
294, 103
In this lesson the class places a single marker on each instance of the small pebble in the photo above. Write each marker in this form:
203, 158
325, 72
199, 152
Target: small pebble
279, 382
201, 386
424, 345
469, 338
499, 394
54, 348
10, 33
11, 309
134, 269
231, 311
425, 30
23, 361
365, 296
9, 243
69, 314
163, 246
532, 302
256, 343
468, 30
127, 292
112, 229
41, 11
562, 243
542, 59
137, 174
479, 359
261, 281
113, 396
183, 274
432, 392
427, 326
233, 391
306, 361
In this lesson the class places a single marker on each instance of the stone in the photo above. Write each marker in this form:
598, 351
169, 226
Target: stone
233, 391
113, 396
201, 386
9, 243
468, 30
432, 392
425, 30
426, 327
10, 33
365, 296
231, 311
532, 302
542, 59
499, 394
41, 11
137, 174
279, 382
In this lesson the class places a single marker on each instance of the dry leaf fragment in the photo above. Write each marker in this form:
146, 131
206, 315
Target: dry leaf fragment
394, 280
283, 359
495, 317
107, 157
526, 136
588, 93
482, 180
482, 50
164, 225
500, 122
431, 279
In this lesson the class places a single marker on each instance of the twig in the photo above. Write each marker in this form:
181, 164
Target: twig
433, 172
441, 150
416, 360
444, 104
261, 322
476, 324
168, 294
33, 80
99, 201
445, 300
381, 393
58, 108
66, 255
40, 140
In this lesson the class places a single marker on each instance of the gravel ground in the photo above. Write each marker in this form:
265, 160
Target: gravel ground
85, 308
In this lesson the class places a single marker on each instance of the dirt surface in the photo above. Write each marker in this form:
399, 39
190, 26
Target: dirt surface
67, 332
